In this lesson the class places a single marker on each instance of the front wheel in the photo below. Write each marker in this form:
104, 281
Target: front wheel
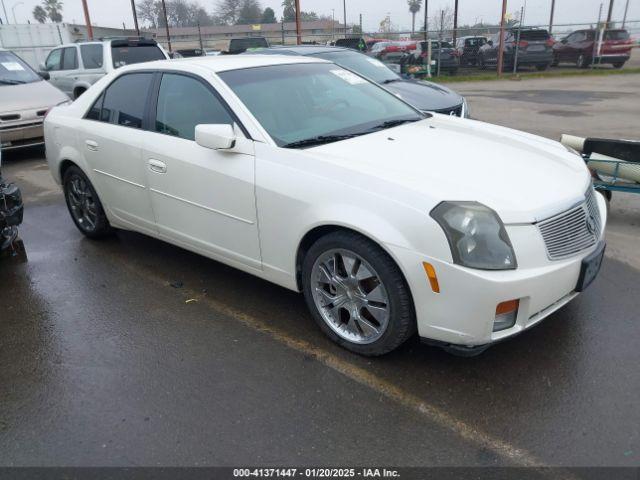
357, 294
84, 205
542, 67
618, 64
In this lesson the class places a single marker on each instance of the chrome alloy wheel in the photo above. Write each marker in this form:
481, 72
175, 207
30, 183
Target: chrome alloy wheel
350, 296
83, 205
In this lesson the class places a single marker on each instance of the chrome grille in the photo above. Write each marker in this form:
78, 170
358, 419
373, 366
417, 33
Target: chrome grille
574, 230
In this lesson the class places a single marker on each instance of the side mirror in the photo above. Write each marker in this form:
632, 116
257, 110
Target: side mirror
216, 137
44, 75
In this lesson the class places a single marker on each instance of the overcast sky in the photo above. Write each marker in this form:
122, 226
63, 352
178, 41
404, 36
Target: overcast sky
113, 12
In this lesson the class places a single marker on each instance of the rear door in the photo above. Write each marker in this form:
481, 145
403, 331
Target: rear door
111, 139
92, 55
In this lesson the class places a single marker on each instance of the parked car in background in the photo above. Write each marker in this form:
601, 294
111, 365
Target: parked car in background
212, 52
25, 99
191, 52
468, 48
425, 96
534, 46
305, 174
442, 53
357, 43
581, 48
373, 41
235, 46
74, 67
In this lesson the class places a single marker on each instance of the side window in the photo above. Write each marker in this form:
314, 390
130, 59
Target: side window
125, 100
54, 60
70, 59
92, 55
183, 103
94, 111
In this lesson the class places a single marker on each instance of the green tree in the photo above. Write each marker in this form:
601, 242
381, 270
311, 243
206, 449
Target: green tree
228, 11
289, 11
250, 12
40, 14
269, 16
414, 8
53, 9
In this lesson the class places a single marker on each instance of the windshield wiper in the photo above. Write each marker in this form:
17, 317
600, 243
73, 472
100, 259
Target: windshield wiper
320, 140
393, 123
12, 82
391, 80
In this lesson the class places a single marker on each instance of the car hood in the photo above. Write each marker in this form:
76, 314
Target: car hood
425, 96
523, 177
29, 96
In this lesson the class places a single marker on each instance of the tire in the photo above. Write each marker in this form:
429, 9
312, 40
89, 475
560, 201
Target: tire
555, 62
582, 61
542, 67
388, 295
78, 93
618, 64
84, 205
481, 63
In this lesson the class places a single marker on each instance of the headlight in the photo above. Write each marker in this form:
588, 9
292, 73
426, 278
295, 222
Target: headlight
465, 109
476, 235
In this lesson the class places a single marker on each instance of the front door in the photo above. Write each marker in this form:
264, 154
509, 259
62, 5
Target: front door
202, 198
111, 140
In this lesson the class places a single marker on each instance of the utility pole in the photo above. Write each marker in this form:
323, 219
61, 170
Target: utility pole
626, 9
298, 28
501, 41
166, 24
344, 5
87, 19
553, 7
200, 38
360, 24
455, 22
426, 20
610, 13
135, 16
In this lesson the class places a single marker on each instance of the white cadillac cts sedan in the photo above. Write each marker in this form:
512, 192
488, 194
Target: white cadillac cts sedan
312, 177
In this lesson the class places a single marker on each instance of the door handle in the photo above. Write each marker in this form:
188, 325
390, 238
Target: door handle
156, 166
92, 145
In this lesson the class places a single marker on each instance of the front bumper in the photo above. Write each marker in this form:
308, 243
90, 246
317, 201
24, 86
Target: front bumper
21, 135
612, 58
464, 311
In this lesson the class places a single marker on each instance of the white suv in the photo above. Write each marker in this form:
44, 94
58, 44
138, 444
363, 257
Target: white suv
73, 68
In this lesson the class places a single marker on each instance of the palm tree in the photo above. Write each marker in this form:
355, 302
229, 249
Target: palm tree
54, 9
414, 8
40, 14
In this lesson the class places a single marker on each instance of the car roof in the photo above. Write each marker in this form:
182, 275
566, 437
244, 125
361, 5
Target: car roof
309, 49
223, 63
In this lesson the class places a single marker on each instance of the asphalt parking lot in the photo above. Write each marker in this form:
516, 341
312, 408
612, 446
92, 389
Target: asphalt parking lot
132, 352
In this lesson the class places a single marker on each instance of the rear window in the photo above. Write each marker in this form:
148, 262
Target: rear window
532, 35
616, 35
239, 45
127, 55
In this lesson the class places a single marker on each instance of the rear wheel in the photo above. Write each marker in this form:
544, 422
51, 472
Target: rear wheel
582, 61
78, 92
481, 62
357, 294
84, 205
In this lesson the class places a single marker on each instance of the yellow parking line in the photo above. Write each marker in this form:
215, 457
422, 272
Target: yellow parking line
512, 454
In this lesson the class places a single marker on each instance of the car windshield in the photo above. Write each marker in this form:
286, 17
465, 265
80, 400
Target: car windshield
361, 64
306, 104
14, 71
130, 54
